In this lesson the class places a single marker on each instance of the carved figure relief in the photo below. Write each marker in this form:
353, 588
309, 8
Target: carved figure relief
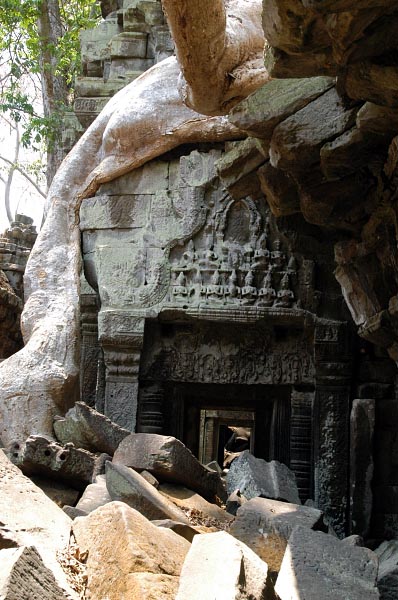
234, 261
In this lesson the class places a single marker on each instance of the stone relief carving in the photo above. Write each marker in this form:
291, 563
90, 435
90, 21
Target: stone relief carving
240, 357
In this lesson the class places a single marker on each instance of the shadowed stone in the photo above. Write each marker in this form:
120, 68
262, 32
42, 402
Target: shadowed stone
89, 429
94, 496
387, 579
317, 565
219, 566
126, 485
168, 460
256, 477
266, 525
186, 531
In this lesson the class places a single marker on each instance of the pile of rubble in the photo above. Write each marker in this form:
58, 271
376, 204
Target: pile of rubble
142, 518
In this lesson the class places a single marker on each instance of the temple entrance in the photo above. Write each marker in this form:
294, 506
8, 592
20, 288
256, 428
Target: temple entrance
205, 417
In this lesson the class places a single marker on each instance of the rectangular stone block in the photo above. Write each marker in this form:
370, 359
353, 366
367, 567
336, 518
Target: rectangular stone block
129, 68
131, 44
91, 87
87, 109
146, 180
115, 212
94, 43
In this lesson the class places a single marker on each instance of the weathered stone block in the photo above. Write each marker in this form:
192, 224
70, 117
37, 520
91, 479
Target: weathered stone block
94, 43
115, 212
32, 518
169, 460
387, 579
377, 119
235, 165
42, 456
296, 142
94, 496
186, 531
116, 534
87, 109
266, 525
24, 575
261, 112
146, 180
125, 485
96, 87
373, 83
152, 586
317, 565
256, 477
89, 429
280, 190
129, 68
362, 423
192, 503
239, 573
129, 45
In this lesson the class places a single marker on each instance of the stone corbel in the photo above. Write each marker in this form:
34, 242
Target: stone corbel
121, 336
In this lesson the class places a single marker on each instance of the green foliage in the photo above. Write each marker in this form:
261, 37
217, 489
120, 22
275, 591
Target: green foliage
21, 52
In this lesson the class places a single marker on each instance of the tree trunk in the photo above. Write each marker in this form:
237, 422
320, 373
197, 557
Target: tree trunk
54, 87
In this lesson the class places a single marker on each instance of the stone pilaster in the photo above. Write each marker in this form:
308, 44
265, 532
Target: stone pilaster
331, 430
90, 348
301, 459
121, 336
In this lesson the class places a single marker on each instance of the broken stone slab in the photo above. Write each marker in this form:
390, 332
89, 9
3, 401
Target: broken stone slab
234, 502
89, 429
296, 142
255, 477
186, 531
40, 455
219, 566
153, 586
377, 119
193, 504
94, 496
235, 166
150, 478
74, 512
24, 575
280, 190
125, 485
266, 525
169, 461
261, 112
116, 534
31, 518
317, 565
373, 83
387, 579
281, 65
350, 152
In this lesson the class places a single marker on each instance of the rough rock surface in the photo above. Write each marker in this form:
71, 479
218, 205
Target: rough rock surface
89, 429
185, 531
117, 534
256, 477
94, 496
24, 575
387, 578
266, 525
31, 518
218, 566
126, 485
40, 455
317, 565
169, 460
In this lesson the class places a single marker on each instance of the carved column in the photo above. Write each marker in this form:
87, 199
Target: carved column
301, 462
331, 429
90, 345
150, 414
121, 335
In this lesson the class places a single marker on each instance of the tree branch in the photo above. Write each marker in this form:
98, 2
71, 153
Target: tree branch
24, 174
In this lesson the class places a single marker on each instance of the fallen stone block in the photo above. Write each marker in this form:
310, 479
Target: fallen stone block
266, 525
199, 510
125, 485
94, 496
234, 502
169, 461
89, 429
219, 566
317, 565
255, 477
387, 579
24, 575
31, 518
186, 531
74, 512
150, 478
116, 534
40, 455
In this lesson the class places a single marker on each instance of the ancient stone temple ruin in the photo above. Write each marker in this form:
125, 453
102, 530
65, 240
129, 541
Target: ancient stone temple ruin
219, 268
